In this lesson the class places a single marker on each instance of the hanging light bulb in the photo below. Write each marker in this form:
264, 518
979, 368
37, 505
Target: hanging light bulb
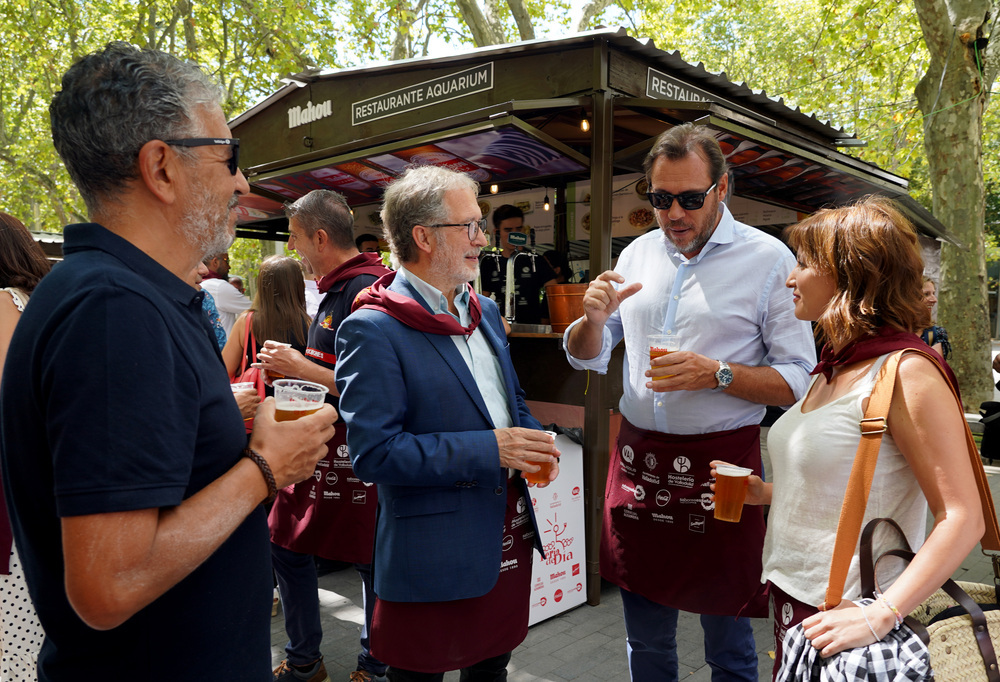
545, 202
494, 189
585, 125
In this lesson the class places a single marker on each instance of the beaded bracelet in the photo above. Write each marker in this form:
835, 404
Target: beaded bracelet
265, 469
865, 616
895, 611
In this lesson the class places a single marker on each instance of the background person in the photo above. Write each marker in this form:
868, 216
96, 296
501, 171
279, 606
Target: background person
718, 285
857, 277
934, 336
228, 300
436, 418
22, 266
531, 273
132, 493
331, 515
367, 243
278, 313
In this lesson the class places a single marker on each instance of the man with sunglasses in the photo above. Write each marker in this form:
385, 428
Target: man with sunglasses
719, 286
135, 499
436, 418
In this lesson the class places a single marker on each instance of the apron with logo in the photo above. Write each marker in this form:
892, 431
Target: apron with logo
433, 637
660, 539
331, 514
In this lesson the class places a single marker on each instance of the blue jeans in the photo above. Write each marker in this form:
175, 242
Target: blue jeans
299, 588
651, 630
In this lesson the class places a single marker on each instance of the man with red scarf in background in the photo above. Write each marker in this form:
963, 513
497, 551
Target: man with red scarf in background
331, 515
437, 419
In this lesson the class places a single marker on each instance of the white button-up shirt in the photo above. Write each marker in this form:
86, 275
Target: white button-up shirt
728, 303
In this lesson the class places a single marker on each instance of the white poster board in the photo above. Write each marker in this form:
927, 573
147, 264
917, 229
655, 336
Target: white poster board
559, 581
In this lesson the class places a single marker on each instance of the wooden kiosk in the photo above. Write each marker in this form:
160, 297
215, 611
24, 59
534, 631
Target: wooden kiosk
562, 115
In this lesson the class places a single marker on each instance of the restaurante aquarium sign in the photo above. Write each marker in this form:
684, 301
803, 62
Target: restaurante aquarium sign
419, 95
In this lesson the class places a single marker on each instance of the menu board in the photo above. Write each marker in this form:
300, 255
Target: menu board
631, 214
559, 581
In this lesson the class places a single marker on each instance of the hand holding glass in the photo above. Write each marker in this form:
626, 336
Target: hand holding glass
730, 492
545, 468
660, 345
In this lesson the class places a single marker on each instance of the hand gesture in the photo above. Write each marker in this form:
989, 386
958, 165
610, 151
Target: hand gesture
602, 299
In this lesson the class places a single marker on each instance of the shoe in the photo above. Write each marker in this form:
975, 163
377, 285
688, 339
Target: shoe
366, 676
286, 673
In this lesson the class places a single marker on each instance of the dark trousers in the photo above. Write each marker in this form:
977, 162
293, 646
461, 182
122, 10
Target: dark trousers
491, 670
298, 585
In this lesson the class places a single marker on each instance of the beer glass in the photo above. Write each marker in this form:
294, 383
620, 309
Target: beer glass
295, 398
730, 492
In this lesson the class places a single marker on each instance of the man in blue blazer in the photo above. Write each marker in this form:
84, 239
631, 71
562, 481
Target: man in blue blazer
437, 419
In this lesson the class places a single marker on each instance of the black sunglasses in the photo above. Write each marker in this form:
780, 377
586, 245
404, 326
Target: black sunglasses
234, 142
689, 201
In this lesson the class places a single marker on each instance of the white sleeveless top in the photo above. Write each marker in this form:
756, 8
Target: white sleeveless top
811, 456
20, 298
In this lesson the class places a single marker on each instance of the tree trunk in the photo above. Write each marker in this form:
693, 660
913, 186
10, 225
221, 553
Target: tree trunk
952, 97
591, 10
482, 32
524, 27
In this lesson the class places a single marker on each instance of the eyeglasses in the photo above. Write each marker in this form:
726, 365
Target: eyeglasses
234, 142
689, 201
473, 226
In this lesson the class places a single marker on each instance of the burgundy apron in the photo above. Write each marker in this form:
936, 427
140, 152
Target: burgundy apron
435, 637
788, 612
659, 537
332, 514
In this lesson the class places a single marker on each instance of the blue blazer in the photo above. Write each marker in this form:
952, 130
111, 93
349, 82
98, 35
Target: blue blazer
418, 427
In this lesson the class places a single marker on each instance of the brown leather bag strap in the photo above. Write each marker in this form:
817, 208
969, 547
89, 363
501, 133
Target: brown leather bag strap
873, 426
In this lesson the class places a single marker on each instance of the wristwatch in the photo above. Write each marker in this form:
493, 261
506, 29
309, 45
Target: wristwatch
724, 376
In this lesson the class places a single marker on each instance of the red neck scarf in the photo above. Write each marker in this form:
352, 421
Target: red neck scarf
411, 313
362, 264
886, 340
212, 274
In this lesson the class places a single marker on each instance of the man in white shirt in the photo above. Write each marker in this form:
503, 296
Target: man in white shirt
719, 285
228, 298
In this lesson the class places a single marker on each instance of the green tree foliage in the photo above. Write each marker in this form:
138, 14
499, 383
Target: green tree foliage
246, 44
854, 64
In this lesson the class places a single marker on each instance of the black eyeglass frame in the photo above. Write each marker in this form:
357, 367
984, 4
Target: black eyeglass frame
234, 142
473, 226
689, 201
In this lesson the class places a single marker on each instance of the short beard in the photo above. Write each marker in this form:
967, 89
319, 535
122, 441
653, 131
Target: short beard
206, 228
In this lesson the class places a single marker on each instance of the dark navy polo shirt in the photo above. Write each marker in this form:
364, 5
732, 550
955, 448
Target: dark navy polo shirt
114, 399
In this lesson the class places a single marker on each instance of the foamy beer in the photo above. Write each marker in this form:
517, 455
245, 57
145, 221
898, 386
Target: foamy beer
545, 468
660, 345
295, 398
730, 492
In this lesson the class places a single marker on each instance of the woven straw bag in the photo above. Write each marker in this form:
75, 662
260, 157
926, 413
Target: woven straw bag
955, 653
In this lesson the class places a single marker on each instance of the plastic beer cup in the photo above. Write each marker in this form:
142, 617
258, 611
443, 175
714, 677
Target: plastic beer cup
542, 475
659, 345
730, 492
295, 398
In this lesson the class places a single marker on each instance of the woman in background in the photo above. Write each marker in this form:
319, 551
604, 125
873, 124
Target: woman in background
858, 277
278, 313
22, 265
934, 336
